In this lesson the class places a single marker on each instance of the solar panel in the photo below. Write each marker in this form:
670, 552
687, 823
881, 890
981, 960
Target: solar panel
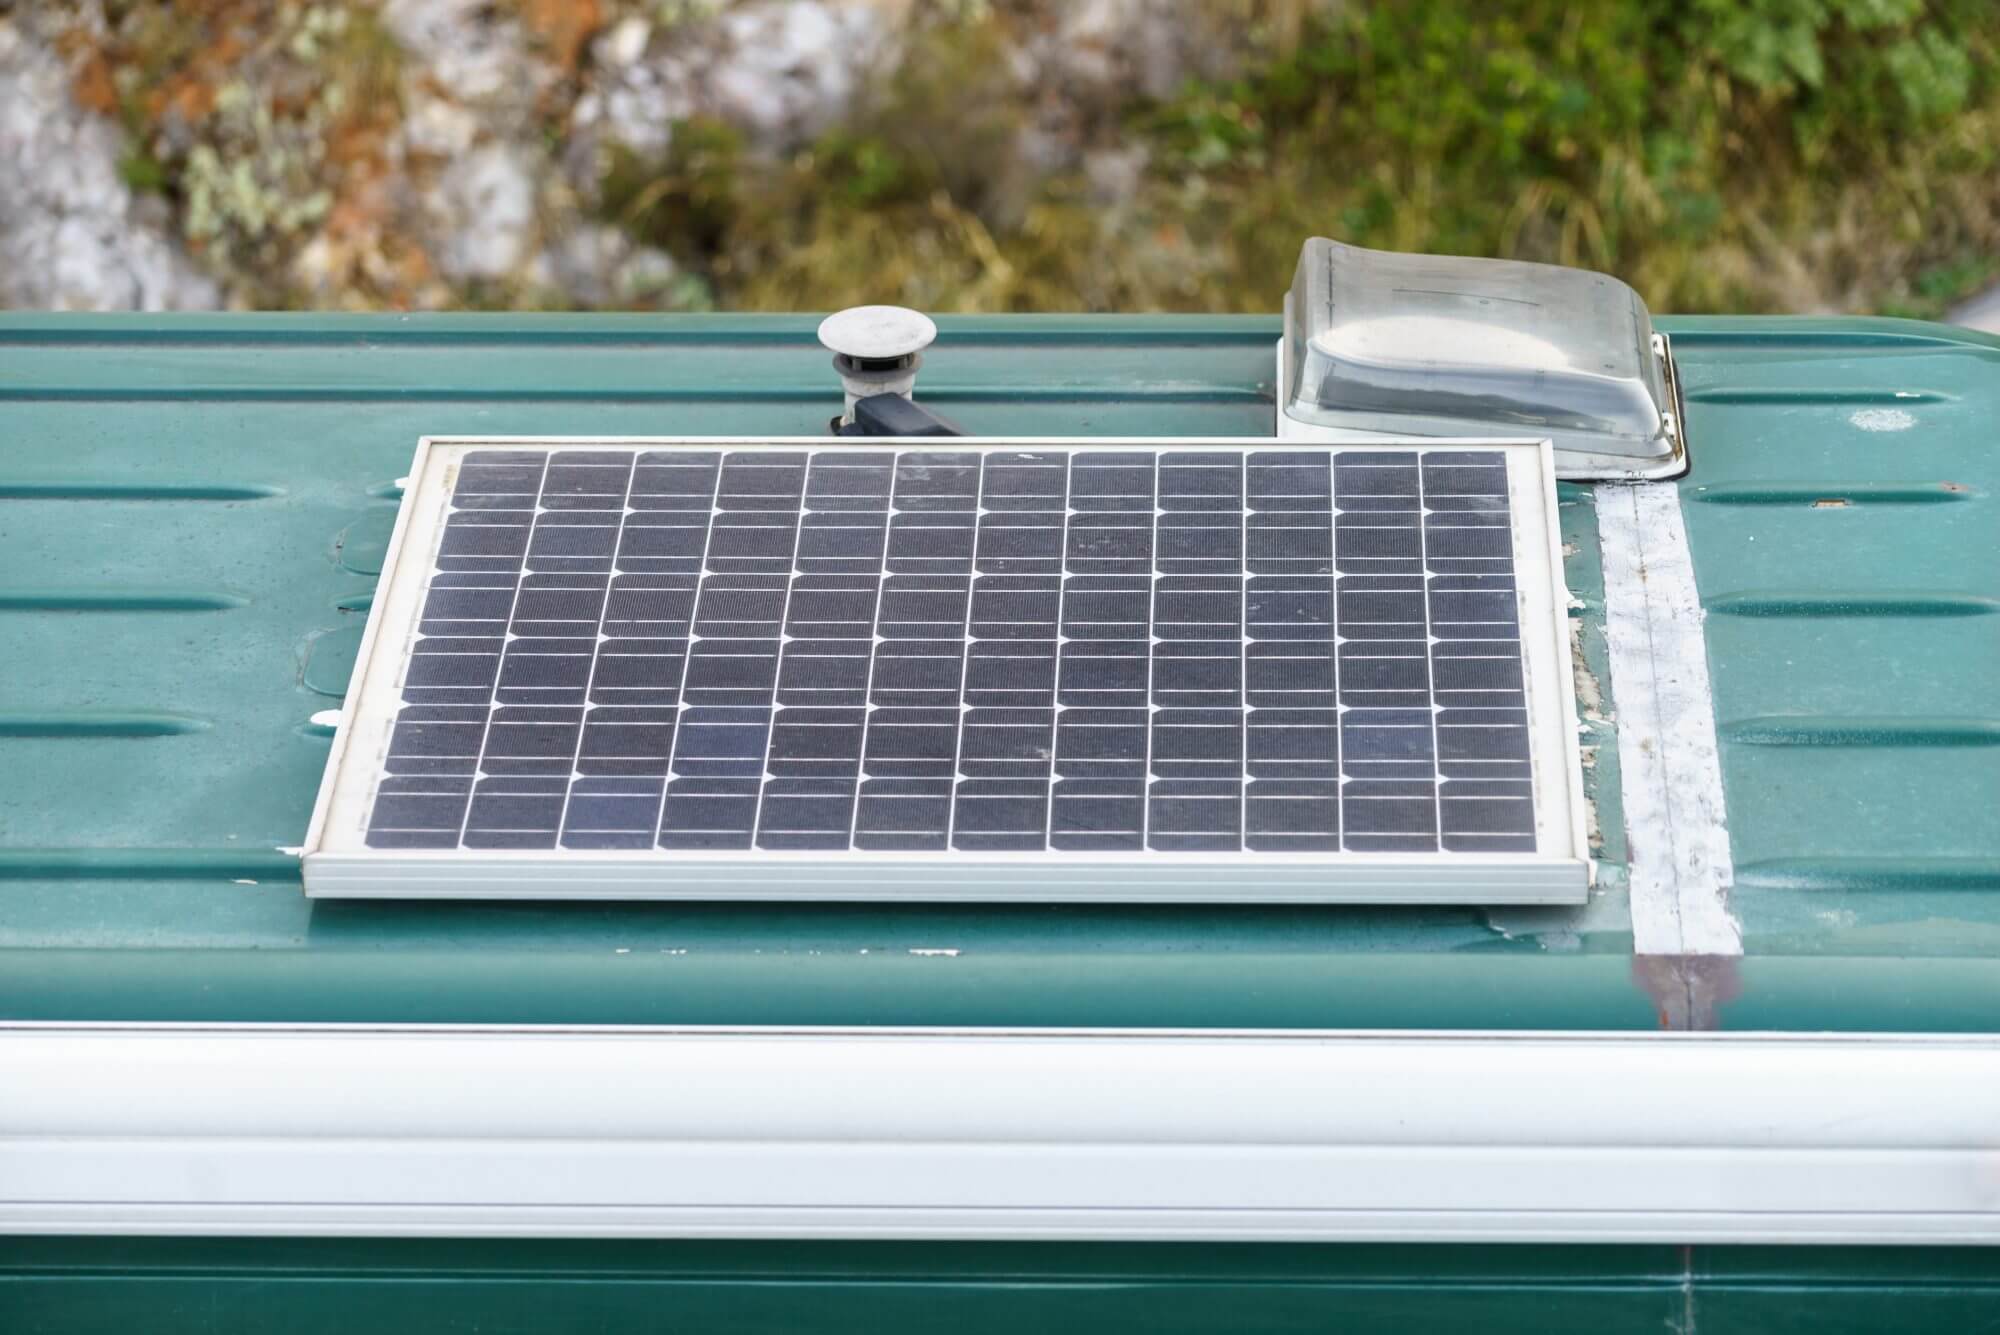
989, 669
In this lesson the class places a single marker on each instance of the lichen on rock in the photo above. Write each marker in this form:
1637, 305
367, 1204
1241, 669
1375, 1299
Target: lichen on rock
73, 234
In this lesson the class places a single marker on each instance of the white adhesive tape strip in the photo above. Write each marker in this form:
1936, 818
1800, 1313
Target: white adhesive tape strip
1675, 821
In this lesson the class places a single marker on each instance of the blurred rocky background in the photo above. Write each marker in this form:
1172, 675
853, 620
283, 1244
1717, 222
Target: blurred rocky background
1799, 155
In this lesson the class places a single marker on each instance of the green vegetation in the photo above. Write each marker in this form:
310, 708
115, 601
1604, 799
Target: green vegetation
1720, 154
1781, 155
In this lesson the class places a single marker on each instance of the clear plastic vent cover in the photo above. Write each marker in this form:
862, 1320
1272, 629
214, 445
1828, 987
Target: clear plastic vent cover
1379, 343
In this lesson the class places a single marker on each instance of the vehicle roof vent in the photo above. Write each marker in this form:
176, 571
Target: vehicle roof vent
1382, 346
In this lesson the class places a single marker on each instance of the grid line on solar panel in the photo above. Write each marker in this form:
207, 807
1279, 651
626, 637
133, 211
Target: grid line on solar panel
1014, 650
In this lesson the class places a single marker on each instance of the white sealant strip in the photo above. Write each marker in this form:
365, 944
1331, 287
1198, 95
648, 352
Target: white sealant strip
1675, 822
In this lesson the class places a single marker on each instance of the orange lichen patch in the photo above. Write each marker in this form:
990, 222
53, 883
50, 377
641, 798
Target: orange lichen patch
353, 214
414, 267
563, 27
189, 96
93, 87
361, 224
357, 140
361, 200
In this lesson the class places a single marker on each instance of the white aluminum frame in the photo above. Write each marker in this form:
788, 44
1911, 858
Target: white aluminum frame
339, 864
969, 1134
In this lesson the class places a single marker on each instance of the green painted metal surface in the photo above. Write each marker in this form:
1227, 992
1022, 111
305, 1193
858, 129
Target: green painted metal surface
201, 1287
193, 511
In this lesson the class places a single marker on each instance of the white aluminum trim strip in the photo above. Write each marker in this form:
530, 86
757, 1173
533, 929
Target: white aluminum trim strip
1269, 878
970, 1134
1670, 771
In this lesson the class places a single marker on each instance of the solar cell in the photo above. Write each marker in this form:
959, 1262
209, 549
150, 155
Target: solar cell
859, 650
1014, 650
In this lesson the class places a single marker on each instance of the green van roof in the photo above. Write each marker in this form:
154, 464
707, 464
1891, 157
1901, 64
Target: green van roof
195, 509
